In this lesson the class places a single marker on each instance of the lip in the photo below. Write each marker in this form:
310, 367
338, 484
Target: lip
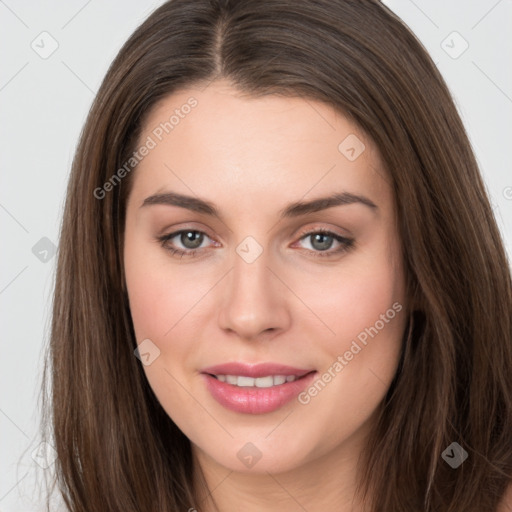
254, 400
255, 370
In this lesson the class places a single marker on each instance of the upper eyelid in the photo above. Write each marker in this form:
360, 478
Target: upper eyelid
177, 232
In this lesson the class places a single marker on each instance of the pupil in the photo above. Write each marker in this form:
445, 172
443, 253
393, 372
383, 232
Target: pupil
323, 245
191, 239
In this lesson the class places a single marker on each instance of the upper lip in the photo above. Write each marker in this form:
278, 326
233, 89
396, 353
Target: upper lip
255, 370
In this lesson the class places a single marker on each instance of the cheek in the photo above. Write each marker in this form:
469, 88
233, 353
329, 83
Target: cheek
367, 316
356, 297
158, 298
366, 301
159, 302
364, 307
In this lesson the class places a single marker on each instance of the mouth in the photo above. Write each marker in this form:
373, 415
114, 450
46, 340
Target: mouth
268, 381
227, 372
255, 389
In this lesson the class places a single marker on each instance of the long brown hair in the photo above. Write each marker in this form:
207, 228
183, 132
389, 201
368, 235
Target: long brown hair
117, 448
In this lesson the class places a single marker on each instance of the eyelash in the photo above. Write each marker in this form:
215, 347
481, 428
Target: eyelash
346, 243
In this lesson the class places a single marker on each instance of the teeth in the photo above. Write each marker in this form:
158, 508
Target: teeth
260, 382
231, 379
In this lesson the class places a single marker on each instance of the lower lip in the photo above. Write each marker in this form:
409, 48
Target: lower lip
253, 400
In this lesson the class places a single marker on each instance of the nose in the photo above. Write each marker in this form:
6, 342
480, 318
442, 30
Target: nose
255, 301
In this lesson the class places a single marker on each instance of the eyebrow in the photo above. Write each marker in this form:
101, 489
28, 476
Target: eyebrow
295, 209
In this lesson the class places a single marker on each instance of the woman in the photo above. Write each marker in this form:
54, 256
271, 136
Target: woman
280, 284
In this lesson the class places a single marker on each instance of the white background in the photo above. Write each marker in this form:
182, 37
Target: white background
44, 103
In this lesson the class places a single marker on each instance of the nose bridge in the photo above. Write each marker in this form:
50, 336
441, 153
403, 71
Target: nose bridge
250, 278
253, 301
250, 270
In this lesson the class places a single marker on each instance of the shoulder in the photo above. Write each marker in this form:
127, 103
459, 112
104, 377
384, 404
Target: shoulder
506, 502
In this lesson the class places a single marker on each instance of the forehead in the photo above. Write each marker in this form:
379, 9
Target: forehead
217, 139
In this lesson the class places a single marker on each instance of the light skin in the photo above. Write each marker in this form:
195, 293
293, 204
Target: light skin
252, 158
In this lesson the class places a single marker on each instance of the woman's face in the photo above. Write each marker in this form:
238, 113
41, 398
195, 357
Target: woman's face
254, 281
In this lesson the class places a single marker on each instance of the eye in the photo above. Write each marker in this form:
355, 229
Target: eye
321, 241
191, 241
